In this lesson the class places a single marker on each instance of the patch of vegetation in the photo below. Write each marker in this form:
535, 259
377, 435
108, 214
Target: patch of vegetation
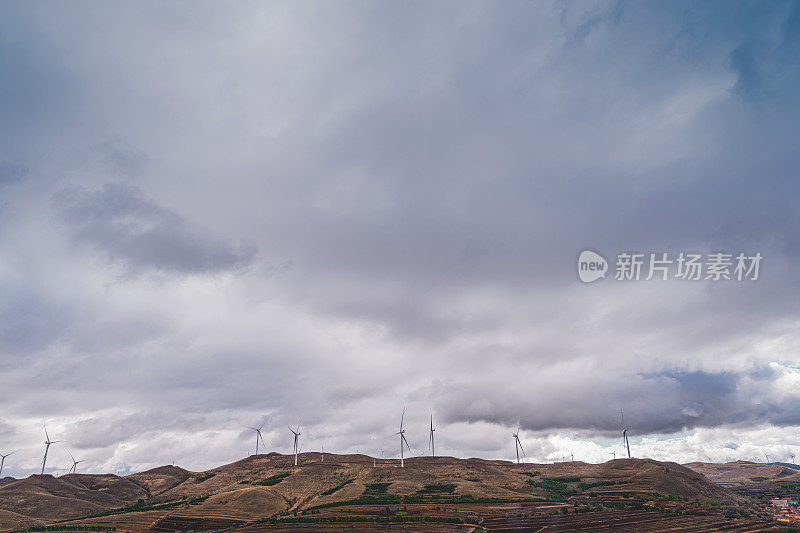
70, 528
554, 490
564, 479
473, 479
337, 487
758, 479
364, 499
204, 477
359, 519
388, 499
376, 488
272, 480
141, 506
593, 484
438, 488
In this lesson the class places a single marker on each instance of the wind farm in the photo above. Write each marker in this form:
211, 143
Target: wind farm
320, 491
269, 492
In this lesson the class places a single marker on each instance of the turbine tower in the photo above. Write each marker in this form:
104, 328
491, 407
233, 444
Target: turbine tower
431, 442
296, 441
403, 440
625, 434
3, 460
74, 469
258, 436
518, 444
47, 444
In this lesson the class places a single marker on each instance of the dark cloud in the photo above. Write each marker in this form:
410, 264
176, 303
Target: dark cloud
12, 172
420, 179
666, 402
112, 430
119, 221
28, 323
112, 157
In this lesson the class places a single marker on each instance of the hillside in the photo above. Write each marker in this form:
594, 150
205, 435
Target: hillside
268, 490
744, 472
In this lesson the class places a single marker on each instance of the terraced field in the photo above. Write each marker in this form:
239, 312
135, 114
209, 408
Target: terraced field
622, 521
347, 493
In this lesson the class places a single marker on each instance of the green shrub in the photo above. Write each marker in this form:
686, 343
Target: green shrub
204, 477
337, 487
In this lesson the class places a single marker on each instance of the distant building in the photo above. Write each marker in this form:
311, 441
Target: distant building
783, 506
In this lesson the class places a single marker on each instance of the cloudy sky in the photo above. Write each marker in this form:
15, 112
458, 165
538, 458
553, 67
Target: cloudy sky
219, 215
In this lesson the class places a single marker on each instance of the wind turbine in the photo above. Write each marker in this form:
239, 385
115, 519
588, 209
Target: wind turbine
518, 444
74, 469
3, 460
296, 440
403, 440
625, 434
791, 455
431, 442
614, 454
322, 455
571, 457
258, 436
767, 456
47, 444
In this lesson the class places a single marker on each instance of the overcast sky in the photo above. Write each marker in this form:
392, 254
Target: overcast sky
218, 215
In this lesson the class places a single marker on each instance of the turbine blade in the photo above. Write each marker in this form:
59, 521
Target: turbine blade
404, 440
262, 439
402, 417
45, 433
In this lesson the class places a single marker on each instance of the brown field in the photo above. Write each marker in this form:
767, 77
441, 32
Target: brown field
346, 493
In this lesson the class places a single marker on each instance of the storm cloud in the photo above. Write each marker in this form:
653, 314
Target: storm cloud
119, 221
319, 213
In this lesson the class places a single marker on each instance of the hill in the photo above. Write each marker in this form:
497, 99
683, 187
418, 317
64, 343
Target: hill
267, 492
744, 472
